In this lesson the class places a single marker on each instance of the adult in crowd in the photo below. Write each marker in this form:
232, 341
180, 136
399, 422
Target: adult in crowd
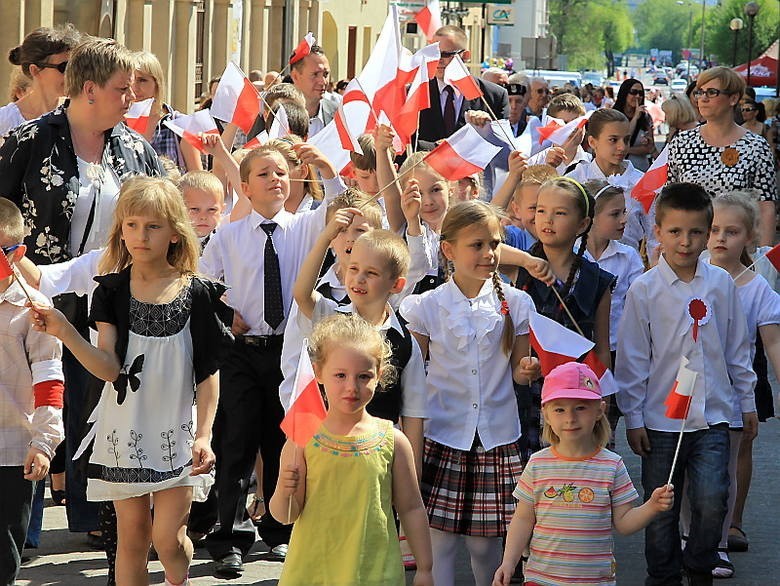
753, 117
310, 75
519, 94
680, 115
43, 58
149, 82
722, 156
598, 99
18, 85
63, 170
496, 75
631, 102
539, 98
449, 109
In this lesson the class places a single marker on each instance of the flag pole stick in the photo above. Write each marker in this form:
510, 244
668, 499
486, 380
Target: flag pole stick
489, 109
394, 181
370, 105
752, 265
568, 312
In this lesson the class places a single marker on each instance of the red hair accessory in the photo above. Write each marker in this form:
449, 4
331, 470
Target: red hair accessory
504, 307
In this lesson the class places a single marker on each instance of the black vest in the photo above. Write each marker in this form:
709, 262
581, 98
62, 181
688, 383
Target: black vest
387, 400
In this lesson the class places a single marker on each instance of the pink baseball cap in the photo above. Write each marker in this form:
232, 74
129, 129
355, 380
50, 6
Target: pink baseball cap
571, 380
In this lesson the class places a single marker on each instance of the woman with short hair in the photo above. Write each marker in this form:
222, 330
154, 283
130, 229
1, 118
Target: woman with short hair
680, 115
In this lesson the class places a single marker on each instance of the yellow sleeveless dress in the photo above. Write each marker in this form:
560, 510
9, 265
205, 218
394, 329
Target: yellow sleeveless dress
346, 533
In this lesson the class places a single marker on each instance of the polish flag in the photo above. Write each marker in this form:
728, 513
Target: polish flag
456, 75
6, 270
462, 154
346, 138
306, 410
329, 142
429, 19
260, 139
653, 180
418, 97
236, 99
192, 126
303, 48
557, 132
773, 256
280, 128
679, 400
555, 344
137, 116
606, 379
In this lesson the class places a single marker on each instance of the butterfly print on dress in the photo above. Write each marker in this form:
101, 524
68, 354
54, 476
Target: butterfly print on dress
131, 378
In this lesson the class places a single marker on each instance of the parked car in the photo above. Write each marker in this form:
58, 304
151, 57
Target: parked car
678, 85
660, 80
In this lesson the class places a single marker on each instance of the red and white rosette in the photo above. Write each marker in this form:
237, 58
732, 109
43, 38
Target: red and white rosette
699, 312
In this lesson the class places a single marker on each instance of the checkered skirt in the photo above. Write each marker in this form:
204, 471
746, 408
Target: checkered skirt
470, 492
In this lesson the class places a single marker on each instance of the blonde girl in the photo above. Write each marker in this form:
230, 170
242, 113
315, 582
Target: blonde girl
149, 82
474, 331
159, 344
353, 471
734, 232
572, 493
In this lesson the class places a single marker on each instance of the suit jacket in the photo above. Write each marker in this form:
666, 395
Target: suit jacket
432, 122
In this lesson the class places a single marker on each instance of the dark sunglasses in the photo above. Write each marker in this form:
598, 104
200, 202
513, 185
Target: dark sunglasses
59, 66
636, 92
748, 109
9, 249
710, 93
542, 90
446, 54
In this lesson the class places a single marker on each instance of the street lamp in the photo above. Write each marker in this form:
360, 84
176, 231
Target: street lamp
736, 25
690, 36
751, 9
701, 51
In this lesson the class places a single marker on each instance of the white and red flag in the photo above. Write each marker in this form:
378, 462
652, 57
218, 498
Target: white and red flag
329, 142
773, 256
280, 128
418, 97
236, 99
606, 379
461, 154
678, 401
346, 138
190, 127
653, 180
137, 116
556, 131
555, 344
456, 75
429, 19
303, 48
306, 410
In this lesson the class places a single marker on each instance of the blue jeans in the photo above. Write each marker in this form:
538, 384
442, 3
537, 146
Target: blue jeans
703, 458
36, 515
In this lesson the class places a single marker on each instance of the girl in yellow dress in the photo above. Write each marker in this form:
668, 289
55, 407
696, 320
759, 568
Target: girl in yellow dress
351, 473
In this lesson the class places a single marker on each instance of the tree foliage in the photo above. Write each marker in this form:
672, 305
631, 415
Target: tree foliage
719, 38
667, 25
590, 32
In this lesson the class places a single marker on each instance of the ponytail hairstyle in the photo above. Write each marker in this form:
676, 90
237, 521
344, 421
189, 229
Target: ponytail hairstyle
472, 213
603, 193
747, 201
586, 206
600, 118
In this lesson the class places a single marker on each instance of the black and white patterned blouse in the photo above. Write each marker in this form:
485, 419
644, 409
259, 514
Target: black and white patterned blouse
692, 160
39, 173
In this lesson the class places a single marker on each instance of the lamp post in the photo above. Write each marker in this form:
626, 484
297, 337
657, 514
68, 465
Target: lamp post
736, 25
701, 51
751, 9
690, 36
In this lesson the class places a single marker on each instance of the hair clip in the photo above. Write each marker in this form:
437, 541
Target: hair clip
504, 307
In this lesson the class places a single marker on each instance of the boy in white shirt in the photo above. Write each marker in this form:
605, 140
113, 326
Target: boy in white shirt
31, 389
684, 307
204, 196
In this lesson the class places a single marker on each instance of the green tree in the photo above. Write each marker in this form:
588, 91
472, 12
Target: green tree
719, 38
666, 25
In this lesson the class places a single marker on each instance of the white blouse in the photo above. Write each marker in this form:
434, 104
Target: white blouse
469, 380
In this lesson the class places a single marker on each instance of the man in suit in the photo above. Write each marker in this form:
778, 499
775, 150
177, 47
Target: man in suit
310, 75
449, 110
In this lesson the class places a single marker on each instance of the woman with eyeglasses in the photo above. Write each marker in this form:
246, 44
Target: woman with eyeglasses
631, 102
721, 155
43, 57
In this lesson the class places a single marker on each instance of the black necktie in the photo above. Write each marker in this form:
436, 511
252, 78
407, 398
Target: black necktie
273, 306
449, 111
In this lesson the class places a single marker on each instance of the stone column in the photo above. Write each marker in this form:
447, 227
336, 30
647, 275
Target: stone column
162, 42
256, 38
183, 73
134, 25
12, 30
37, 14
220, 26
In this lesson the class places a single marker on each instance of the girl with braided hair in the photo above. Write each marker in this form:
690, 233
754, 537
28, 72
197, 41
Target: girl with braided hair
474, 331
564, 215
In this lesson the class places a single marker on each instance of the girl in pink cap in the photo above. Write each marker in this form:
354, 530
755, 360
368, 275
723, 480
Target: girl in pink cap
572, 492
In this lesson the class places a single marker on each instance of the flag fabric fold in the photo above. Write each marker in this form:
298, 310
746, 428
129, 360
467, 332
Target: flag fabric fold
137, 116
429, 19
6, 270
462, 154
773, 256
456, 75
303, 48
423, 64
556, 131
236, 99
679, 399
555, 344
190, 127
306, 410
652, 181
329, 142
606, 379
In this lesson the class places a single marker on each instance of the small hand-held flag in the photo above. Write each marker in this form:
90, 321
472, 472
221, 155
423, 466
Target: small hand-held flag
306, 410
303, 48
137, 116
429, 19
462, 154
190, 127
457, 75
553, 343
236, 99
678, 402
653, 180
7, 270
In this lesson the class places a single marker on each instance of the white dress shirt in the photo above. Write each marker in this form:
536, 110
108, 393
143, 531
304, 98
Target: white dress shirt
656, 331
625, 263
469, 383
457, 98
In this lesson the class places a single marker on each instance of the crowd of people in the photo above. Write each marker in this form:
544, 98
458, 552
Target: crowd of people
164, 298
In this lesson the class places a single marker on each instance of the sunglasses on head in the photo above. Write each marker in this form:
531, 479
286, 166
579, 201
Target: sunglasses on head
451, 53
709, 92
9, 249
636, 92
59, 66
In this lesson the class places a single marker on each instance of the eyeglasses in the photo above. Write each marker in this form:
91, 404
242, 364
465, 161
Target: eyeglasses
636, 92
748, 109
9, 249
451, 54
710, 93
542, 90
59, 66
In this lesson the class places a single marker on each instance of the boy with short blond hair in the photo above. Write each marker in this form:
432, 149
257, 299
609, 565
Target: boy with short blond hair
31, 391
204, 196
365, 165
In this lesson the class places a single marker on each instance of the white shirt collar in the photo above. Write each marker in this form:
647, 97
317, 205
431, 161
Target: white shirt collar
282, 218
14, 295
390, 323
442, 85
668, 274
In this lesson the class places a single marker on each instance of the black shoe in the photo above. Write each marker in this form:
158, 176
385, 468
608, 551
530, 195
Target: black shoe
697, 579
229, 566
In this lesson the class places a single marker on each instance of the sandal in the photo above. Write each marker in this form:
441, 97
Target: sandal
738, 541
256, 508
724, 568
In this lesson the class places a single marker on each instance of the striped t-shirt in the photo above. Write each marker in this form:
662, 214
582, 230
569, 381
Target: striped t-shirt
573, 500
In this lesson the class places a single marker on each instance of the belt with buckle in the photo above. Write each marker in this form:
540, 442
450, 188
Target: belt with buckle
263, 342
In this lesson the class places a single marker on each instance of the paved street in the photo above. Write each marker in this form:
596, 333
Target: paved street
64, 558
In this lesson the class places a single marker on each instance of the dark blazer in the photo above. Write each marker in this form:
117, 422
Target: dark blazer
432, 122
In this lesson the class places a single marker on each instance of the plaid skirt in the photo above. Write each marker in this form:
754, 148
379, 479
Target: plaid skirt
470, 492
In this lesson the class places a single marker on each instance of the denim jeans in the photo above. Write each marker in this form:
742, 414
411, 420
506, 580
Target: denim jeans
703, 458
36, 515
